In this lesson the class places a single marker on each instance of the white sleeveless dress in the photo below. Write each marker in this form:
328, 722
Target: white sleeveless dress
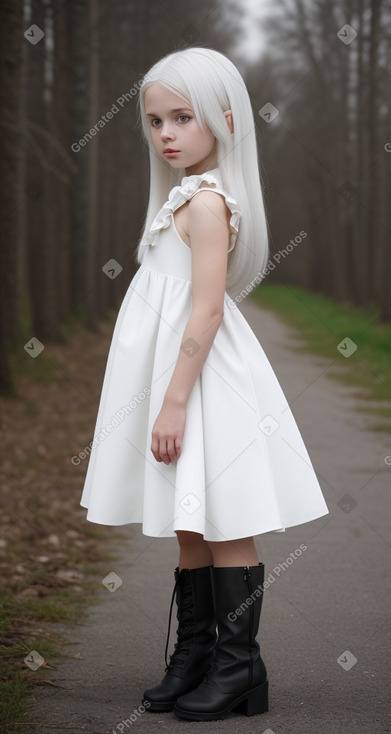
244, 468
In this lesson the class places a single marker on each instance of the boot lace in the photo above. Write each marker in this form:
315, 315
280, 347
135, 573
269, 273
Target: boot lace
183, 645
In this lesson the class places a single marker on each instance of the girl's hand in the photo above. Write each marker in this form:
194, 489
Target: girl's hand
167, 432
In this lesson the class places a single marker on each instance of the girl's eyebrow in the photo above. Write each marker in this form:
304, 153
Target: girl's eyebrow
179, 109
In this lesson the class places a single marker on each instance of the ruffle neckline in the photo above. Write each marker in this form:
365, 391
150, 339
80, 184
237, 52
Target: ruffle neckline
182, 193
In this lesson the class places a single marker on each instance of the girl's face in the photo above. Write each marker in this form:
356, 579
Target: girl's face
173, 126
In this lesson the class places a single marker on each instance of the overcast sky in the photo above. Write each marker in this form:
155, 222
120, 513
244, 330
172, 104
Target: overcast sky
251, 39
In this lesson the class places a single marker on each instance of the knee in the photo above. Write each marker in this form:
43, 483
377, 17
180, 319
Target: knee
188, 539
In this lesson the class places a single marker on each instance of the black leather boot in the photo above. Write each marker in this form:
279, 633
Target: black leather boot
237, 678
196, 639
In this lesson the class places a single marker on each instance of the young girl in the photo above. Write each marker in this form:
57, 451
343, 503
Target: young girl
194, 436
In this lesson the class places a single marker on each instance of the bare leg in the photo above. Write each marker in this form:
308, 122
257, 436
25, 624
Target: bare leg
194, 551
240, 552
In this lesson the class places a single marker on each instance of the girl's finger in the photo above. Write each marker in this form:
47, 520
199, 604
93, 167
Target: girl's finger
163, 451
171, 449
155, 448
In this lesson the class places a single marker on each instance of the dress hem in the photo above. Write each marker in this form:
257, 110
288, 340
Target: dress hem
237, 537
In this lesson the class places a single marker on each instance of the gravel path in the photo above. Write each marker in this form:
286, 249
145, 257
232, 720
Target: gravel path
331, 604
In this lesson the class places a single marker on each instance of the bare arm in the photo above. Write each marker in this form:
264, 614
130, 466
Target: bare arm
209, 237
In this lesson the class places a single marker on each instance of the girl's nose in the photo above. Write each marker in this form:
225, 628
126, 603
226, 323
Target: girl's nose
166, 131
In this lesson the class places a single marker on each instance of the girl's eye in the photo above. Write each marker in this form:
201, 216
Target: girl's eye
180, 117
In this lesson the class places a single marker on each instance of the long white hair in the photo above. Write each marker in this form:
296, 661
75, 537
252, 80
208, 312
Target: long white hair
211, 84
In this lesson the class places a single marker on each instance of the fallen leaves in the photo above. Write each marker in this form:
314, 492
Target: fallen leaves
45, 540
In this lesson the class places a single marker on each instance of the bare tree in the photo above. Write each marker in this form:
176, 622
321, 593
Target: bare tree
11, 17
330, 92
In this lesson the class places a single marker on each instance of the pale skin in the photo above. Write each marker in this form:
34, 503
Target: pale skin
203, 224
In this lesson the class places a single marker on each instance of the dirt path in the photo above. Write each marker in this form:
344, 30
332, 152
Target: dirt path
331, 604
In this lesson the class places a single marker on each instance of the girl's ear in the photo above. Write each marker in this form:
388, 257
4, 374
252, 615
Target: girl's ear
229, 119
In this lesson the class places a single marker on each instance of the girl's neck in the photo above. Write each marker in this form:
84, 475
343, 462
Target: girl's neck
215, 169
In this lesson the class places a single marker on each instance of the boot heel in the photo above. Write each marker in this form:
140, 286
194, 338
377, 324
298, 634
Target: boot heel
256, 702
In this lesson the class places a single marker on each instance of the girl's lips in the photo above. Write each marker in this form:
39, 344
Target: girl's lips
171, 152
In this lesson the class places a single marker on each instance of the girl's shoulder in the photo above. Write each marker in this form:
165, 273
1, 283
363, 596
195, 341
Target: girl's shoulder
184, 192
195, 184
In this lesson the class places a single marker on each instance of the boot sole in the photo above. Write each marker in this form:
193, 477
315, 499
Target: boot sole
250, 703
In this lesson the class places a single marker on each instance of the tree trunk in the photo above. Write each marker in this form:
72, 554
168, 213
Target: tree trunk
11, 32
92, 292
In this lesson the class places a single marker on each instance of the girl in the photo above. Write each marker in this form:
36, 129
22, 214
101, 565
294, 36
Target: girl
194, 436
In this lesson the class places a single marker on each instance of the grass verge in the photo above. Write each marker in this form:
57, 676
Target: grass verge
52, 560
358, 344
26, 627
